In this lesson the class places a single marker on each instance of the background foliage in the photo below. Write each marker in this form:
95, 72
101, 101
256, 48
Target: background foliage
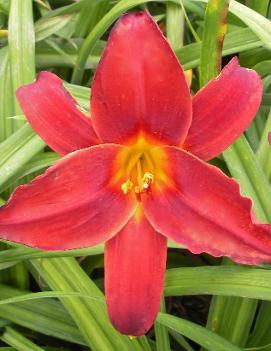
54, 301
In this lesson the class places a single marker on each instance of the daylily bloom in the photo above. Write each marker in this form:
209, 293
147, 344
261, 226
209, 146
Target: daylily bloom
134, 173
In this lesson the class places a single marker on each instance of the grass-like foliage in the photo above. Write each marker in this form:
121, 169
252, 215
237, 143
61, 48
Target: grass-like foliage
54, 300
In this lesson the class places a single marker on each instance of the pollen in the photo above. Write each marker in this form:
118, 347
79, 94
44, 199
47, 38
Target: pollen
147, 180
145, 183
127, 186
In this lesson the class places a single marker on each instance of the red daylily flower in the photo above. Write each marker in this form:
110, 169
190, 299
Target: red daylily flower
138, 176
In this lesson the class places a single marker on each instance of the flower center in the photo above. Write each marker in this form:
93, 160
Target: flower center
138, 167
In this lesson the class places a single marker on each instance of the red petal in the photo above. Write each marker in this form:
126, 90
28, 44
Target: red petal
54, 114
203, 209
222, 110
74, 204
135, 261
140, 86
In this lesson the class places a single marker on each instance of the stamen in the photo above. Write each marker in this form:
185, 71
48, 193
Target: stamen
147, 180
127, 186
137, 174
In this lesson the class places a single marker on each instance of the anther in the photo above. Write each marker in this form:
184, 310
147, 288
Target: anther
147, 180
145, 183
127, 186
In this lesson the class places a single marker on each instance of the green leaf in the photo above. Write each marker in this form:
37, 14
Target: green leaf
45, 316
232, 318
264, 149
219, 280
260, 25
73, 8
45, 27
36, 164
17, 150
25, 253
4, 5
228, 316
21, 343
49, 294
65, 274
261, 348
245, 167
259, 6
175, 24
21, 42
91, 15
237, 41
161, 332
6, 96
215, 27
198, 334
60, 53
261, 332
263, 68
181, 340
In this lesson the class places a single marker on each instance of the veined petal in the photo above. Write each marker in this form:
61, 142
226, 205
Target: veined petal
202, 209
139, 86
135, 262
73, 204
222, 110
55, 116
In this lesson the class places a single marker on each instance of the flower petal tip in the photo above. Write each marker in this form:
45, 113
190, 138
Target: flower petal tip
55, 115
136, 17
135, 262
223, 109
41, 77
128, 97
134, 329
41, 215
218, 219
